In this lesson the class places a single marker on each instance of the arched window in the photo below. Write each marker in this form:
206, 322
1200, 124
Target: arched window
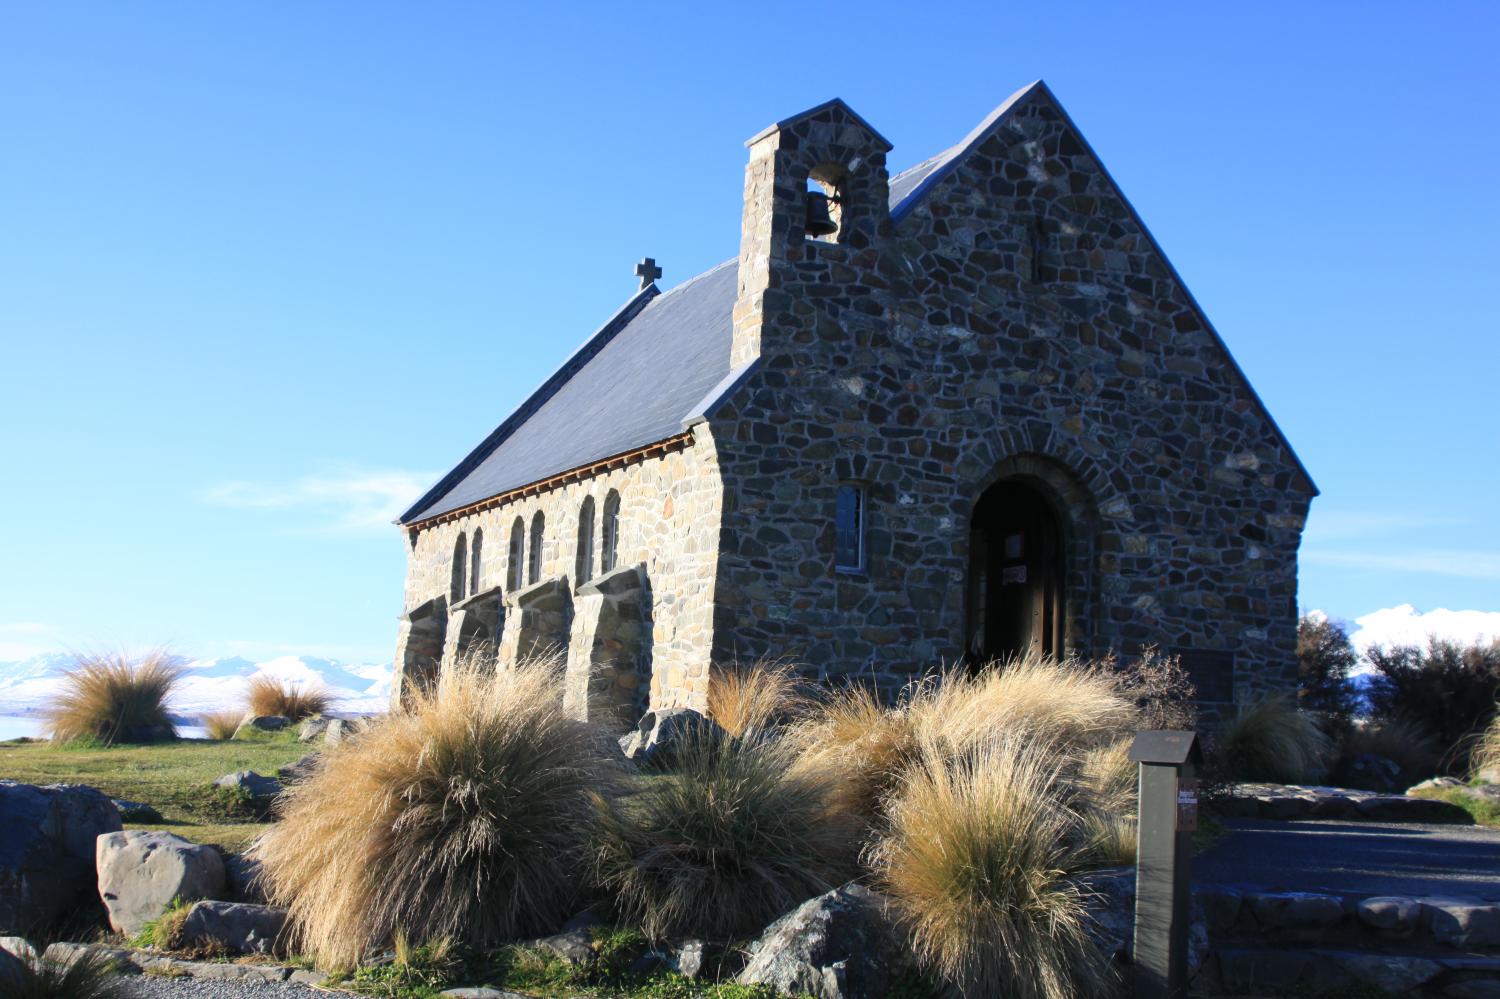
474, 561
460, 562
825, 205
611, 547
517, 566
583, 567
534, 567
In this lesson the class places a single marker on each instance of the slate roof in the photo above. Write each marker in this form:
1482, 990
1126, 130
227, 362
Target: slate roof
661, 362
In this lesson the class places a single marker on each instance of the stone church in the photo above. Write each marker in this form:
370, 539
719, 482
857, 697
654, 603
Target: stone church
940, 417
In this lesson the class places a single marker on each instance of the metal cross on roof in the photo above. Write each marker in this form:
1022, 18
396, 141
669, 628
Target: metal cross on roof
648, 272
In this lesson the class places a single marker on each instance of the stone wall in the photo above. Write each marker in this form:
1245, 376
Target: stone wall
669, 513
1019, 322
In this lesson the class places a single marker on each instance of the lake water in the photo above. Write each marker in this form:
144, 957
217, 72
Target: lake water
31, 726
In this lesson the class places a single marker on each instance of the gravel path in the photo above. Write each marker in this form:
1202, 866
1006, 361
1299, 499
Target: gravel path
158, 987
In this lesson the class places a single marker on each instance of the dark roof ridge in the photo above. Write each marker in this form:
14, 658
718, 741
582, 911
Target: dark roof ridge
596, 342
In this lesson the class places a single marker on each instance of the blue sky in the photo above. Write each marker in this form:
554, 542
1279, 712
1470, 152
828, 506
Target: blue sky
267, 269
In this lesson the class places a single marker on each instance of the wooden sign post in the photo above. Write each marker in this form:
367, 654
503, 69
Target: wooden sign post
1167, 816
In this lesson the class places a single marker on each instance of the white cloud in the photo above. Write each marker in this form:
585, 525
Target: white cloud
1345, 525
1405, 625
24, 639
1460, 562
350, 500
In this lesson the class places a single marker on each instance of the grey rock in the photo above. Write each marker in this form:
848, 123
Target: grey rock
1459, 923
239, 926
263, 723
312, 729
12, 973
136, 811
661, 733
1295, 910
1221, 907
835, 946
19, 947
573, 947
252, 783
1367, 770
1109, 909
141, 872
223, 972
1395, 973
306, 976
242, 877
300, 769
47, 839
1434, 784
1271, 968
1390, 913
480, 992
340, 729
689, 958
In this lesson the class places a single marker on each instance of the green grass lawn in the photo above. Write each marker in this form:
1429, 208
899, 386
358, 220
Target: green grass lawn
1484, 811
173, 777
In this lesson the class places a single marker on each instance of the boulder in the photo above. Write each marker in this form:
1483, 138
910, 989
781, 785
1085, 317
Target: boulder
242, 877
136, 811
661, 733
835, 946
261, 723
1434, 784
262, 789
239, 926
12, 973
300, 769
340, 729
480, 992
47, 839
312, 729
688, 958
141, 872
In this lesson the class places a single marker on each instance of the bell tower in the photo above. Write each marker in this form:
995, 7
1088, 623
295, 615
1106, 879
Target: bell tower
816, 194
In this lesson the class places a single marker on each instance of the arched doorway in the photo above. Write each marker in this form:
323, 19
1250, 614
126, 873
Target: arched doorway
1017, 591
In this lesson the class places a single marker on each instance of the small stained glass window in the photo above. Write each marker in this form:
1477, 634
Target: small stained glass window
849, 529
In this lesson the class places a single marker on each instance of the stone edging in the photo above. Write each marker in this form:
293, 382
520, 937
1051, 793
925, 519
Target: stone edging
136, 962
1295, 801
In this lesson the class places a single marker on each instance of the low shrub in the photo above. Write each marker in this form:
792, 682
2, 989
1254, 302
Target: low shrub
1325, 661
220, 725
974, 861
1484, 759
737, 833
1400, 740
1447, 688
1270, 740
467, 816
111, 699
89, 976
269, 695
1162, 690
751, 700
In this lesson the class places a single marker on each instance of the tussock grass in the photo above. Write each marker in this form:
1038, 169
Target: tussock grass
89, 976
468, 816
1271, 740
975, 859
220, 725
748, 701
1071, 704
268, 695
735, 835
112, 698
1486, 752
1401, 740
864, 743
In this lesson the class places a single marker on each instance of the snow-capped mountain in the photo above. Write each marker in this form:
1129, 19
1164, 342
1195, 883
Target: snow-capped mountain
213, 684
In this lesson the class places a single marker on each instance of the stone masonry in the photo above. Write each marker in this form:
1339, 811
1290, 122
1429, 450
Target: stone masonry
1010, 322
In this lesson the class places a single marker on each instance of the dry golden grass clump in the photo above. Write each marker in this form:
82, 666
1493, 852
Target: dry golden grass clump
737, 833
975, 860
468, 816
1271, 740
221, 725
113, 698
748, 701
1069, 703
1485, 757
867, 743
268, 695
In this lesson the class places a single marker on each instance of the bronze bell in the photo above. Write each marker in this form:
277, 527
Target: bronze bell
819, 222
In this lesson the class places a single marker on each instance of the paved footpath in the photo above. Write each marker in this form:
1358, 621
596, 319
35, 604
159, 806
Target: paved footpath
1376, 858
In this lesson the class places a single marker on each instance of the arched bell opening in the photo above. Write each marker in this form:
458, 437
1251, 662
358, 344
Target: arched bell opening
1018, 575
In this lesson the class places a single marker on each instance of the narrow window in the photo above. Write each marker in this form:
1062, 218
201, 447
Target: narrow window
849, 529
1038, 244
460, 562
583, 565
611, 533
474, 561
517, 567
534, 567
